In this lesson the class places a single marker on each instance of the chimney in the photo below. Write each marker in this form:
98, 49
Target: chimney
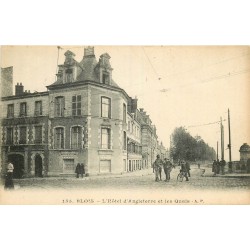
89, 51
134, 105
129, 105
19, 89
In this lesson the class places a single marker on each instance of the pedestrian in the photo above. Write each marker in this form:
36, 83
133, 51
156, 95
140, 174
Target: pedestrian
222, 166
218, 167
188, 168
184, 170
214, 168
77, 171
9, 177
157, 164
167, 165
160, 171
199, 165
82, 170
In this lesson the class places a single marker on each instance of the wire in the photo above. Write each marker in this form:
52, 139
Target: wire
159, 78
209, 79
209, 65
205, 124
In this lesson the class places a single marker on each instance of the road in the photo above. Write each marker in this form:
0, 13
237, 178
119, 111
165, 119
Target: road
135, 181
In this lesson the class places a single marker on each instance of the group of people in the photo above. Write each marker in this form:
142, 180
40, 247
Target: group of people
168, 166
158, 165
80, 170
219, 167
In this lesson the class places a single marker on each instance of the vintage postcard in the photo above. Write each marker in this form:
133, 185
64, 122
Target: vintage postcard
125, 125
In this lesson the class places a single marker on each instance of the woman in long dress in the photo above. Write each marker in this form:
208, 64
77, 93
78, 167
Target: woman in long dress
9, 177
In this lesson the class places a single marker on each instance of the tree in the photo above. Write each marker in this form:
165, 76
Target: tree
186, 147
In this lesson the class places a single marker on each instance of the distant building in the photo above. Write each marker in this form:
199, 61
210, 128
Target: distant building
244, 164
6, 81
83, 117
244, 153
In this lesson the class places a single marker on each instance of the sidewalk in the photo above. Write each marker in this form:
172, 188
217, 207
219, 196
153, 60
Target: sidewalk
138, 173
208, 172
235, 175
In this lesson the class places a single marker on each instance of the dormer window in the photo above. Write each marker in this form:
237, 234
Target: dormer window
104, 69
105, 78
69, 75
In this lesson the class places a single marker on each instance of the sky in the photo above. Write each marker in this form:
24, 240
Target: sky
190, 86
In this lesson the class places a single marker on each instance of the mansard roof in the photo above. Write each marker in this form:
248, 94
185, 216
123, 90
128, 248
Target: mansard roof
86, 70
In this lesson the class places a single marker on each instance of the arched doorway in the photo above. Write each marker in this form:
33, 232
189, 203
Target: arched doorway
38, 166
18, 163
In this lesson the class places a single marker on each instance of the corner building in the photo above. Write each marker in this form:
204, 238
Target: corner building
83, 117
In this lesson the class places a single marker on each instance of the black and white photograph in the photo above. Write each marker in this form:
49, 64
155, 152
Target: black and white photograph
125, 125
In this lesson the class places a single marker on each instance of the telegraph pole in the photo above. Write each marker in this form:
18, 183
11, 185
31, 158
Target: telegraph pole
222, 139
229, 145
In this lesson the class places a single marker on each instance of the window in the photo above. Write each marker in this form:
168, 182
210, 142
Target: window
76, 137
23, 109
23, 135
68, 165
59, 138
38, 108
105, 78
106, 107
133, 148
69, 75
38, 134
124, 112
59, 106
105, 138
105, 166
76, 105
9, 136
124, 140
10, 110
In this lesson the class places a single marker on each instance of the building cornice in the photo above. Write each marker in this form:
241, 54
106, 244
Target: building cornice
25, 95
86, 83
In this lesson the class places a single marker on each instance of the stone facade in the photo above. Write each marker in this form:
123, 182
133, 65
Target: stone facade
84, 117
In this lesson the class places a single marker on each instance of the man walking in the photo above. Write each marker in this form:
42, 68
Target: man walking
157, 165
167, 165
184, 170
188, 168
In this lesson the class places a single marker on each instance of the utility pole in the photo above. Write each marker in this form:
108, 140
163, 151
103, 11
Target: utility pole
229, 145
217, 156
222, 139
